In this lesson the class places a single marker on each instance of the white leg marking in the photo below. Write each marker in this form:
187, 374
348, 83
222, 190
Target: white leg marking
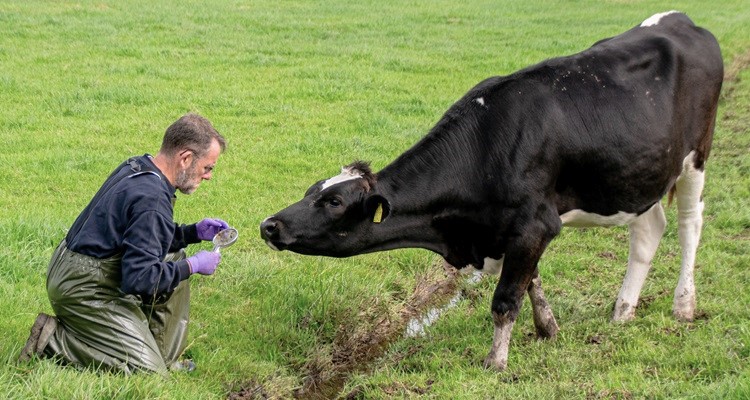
689, 187
498, 356
645, 233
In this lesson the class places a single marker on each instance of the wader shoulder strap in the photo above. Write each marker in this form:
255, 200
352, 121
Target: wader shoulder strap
136, 167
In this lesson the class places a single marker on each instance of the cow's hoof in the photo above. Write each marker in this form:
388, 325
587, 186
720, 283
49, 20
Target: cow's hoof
493, 364
683, 309
624, 312
684, 315
548, 330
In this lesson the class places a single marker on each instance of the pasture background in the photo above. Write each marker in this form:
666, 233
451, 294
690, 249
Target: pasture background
299, 89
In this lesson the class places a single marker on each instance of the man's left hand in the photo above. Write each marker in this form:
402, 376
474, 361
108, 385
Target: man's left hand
208, 228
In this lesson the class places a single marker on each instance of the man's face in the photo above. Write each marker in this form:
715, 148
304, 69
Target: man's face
190, 177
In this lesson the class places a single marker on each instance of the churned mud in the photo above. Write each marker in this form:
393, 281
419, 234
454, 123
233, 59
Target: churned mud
358, 343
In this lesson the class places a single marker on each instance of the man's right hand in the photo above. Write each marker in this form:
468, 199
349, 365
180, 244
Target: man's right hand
204, 262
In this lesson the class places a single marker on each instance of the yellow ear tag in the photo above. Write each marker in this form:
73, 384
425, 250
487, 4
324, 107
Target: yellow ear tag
378, 214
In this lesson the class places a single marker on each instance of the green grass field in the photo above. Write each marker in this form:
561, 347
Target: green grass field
299, 89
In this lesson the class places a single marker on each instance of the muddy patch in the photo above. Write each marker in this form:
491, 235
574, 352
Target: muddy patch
250, 390
358, 343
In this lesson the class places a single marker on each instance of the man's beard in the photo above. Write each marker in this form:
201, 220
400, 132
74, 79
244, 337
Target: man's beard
185, 181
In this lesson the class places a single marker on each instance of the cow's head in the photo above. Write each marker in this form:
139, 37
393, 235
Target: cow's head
335, 218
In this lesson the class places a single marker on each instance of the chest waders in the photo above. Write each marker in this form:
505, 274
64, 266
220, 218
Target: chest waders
98, 325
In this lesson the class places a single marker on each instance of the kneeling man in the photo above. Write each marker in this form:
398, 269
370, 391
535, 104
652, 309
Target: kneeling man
118, 282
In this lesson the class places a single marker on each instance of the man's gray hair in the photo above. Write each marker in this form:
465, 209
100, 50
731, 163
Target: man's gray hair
191, 132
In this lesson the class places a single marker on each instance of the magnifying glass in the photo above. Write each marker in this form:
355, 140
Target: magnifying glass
225, 238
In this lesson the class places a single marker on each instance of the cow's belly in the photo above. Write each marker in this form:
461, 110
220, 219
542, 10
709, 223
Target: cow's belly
581, 219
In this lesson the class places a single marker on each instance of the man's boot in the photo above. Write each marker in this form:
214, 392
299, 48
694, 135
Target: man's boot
43, 328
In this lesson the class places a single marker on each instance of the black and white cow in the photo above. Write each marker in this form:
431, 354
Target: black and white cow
593, 139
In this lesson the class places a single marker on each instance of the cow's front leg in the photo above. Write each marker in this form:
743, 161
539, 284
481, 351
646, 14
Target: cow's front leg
519, 269
505, 305
498, 356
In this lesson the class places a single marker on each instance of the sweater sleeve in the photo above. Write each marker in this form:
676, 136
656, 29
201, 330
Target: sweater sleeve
145, 243
183, 236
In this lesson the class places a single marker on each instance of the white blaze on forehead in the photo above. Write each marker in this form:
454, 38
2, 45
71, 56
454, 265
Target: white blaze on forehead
346, 174
654, 19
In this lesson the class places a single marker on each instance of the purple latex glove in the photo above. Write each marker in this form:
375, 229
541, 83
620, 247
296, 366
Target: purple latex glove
208, 228
204, 262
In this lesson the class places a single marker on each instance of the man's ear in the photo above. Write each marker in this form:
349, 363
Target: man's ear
377, 208
185, 158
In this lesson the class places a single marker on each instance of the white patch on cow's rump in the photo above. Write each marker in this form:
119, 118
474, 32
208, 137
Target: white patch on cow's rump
480, 100
582, 219
346, 174
654, 19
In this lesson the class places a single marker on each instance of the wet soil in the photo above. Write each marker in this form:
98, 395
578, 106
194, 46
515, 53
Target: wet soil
358, 343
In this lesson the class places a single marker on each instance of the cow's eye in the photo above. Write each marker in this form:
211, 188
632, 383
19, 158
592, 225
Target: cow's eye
333, 202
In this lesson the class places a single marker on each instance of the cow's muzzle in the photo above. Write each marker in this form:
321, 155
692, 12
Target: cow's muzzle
270, 231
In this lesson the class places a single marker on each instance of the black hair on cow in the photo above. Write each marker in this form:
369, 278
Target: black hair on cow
364, 168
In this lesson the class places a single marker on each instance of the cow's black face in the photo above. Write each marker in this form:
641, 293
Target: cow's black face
333, 219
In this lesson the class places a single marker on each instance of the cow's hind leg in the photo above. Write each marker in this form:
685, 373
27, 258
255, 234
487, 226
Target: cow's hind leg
688, 192
645, 233
544, 320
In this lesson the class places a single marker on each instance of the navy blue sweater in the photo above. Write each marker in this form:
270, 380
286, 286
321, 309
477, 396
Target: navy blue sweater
131, 215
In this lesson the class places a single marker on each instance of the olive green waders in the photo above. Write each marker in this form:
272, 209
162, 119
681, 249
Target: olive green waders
100, 326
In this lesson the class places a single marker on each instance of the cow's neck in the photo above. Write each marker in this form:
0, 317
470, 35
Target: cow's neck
436, 165
427, 181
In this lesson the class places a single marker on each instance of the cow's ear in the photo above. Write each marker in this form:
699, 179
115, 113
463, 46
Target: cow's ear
377, 208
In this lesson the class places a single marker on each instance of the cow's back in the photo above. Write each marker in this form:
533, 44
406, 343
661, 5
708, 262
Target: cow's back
670, 47
618, 119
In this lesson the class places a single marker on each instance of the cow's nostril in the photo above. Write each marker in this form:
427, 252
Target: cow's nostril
269, 229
